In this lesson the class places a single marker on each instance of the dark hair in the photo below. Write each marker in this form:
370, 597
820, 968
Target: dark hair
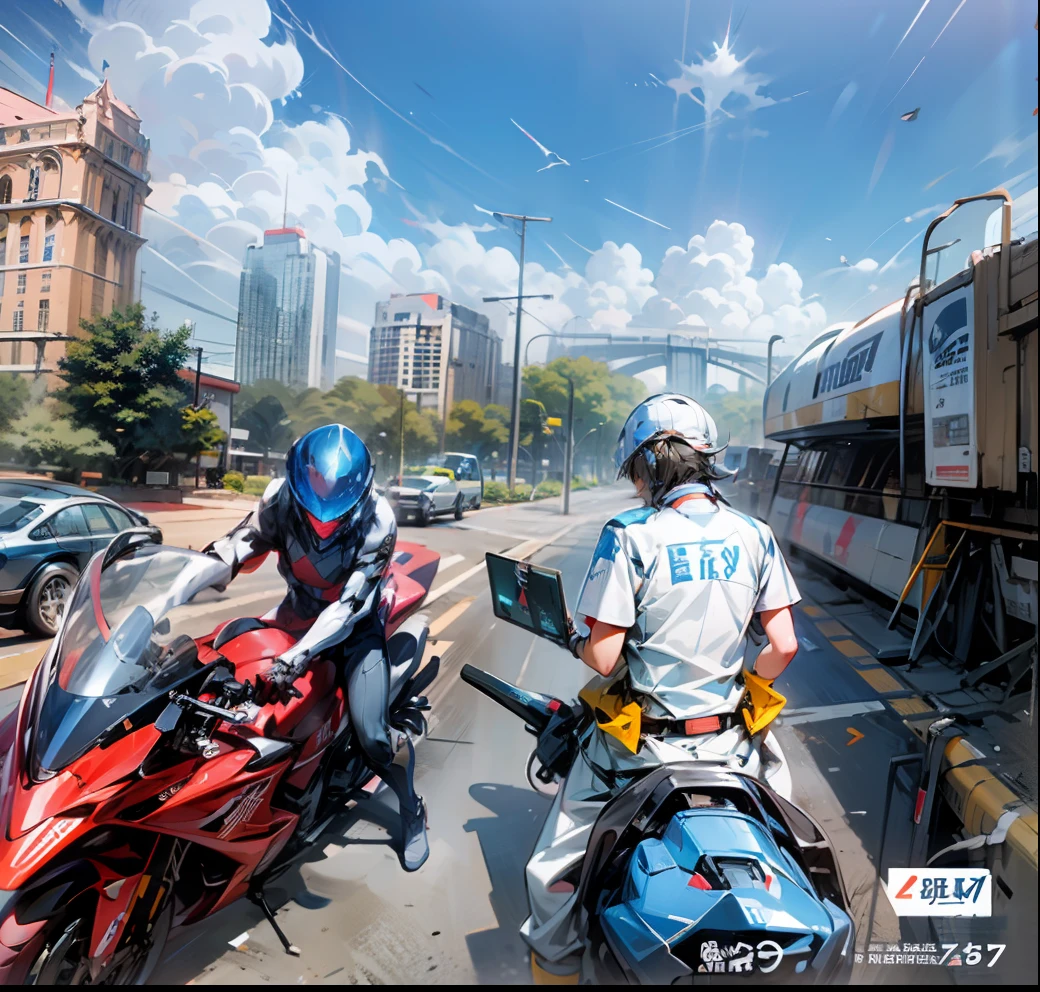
670, 462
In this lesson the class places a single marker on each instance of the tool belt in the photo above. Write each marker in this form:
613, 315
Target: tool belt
691, 728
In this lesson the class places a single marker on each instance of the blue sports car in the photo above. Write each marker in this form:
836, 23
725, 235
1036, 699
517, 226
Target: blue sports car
48, 531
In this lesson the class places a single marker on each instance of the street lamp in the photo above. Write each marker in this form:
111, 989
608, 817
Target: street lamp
514, 441
769, 356
568, 458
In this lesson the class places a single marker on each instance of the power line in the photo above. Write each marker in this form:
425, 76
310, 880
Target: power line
188, 303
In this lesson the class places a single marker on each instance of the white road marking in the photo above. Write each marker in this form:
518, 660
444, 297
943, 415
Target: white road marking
816, 714
238, 941
445, 563
527, 661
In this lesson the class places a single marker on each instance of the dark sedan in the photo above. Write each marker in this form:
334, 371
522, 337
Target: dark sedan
48, 531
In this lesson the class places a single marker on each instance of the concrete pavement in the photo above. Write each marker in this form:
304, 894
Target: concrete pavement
361, 920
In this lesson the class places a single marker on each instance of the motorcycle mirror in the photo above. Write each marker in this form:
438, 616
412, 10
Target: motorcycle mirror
169, 718
163, 626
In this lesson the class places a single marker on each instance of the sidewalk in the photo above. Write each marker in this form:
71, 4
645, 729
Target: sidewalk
194, 525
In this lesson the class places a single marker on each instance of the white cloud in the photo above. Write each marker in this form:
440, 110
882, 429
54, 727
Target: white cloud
221, 160
1010, 148
720, 78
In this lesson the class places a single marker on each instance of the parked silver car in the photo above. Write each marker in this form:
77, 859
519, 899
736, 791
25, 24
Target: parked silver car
420, 498
48, 531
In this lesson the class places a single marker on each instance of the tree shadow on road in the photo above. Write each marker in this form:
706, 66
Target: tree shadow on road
507, 838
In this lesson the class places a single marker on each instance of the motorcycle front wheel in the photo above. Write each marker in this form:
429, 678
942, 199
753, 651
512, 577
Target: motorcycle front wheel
63, 959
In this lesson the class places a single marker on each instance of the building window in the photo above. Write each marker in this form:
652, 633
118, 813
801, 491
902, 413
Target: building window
115, 204
45, 282
5, 189
400, 318
23, 249
18, 318
34, 183
21, 283
43, 321
48, 248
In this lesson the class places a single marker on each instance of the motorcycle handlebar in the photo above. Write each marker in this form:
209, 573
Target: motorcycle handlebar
532, 707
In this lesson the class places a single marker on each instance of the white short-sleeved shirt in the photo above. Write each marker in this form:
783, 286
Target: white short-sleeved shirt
686, 581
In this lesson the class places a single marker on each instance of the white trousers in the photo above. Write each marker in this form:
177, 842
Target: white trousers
603, 768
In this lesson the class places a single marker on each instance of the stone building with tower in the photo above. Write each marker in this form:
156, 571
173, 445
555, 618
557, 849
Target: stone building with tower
72, 190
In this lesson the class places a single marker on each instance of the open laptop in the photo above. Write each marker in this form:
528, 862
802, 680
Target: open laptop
529, 596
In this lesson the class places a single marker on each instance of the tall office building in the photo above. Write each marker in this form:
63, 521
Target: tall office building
438, 352
288, 308
72, 189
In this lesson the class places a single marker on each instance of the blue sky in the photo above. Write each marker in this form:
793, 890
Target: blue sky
806, 144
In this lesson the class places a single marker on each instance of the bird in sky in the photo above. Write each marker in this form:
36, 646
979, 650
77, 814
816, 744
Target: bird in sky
910, 115
556, 159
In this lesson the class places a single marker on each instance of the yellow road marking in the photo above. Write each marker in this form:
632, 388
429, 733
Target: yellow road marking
433, 647
831, 628
853, 650
813, 611
910, 705
856, 736
16, 668
451, 615
880, 680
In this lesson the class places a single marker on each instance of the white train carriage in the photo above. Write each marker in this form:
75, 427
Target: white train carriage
838, 497
911, 436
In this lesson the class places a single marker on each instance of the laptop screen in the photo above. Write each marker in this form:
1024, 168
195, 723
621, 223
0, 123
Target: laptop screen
529, 596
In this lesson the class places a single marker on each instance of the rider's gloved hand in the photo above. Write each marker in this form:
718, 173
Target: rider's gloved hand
575, 640
276, 684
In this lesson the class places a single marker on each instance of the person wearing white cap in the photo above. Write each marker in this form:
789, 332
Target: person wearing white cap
669, 596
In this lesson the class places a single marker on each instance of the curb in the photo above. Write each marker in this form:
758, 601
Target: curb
978, 797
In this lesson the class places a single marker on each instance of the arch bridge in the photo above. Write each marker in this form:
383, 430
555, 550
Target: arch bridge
685, 357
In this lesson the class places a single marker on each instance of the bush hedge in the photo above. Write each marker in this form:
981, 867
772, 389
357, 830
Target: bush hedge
255, 484
234, 481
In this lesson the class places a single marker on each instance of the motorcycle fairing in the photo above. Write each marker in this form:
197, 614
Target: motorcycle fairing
646, 811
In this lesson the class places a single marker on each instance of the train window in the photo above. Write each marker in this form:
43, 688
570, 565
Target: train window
836, 471
808, 464
792, 464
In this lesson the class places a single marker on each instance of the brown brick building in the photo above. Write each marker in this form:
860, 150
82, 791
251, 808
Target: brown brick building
72, 191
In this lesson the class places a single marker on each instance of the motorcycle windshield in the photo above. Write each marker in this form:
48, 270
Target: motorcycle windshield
116, 650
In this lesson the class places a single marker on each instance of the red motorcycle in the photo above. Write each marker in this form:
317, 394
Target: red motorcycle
140, 787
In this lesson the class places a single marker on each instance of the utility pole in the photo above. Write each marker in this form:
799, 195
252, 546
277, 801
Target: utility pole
140, 287
400, 461
198, 388
514, 439
769, 356
568, 454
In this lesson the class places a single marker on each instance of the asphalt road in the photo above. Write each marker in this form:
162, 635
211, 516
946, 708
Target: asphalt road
360, 920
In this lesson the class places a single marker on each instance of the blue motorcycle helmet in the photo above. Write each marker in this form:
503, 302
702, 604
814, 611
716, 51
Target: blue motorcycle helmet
329, 471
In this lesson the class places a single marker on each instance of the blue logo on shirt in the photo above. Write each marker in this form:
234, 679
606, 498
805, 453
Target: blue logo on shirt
715, 560
608, 545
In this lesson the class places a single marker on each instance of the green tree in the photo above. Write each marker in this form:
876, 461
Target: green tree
14, 394
471, 429
264, 409
602, 399
121, 381
739, 416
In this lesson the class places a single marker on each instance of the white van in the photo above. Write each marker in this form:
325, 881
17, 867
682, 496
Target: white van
468, 476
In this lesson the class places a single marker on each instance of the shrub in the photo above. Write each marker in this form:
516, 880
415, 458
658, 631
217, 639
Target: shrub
495, 492
522, 492
579, 483
235, 481
548, 487
255, 484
